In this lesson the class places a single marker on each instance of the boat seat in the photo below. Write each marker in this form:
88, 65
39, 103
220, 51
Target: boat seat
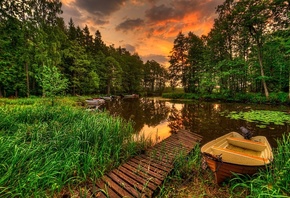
247, 144
236, 157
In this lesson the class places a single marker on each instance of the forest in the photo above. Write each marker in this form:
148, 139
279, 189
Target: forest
39, 52
246, 51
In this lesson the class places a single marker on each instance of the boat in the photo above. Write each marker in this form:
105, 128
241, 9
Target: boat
232, 153
95, 101
131, 96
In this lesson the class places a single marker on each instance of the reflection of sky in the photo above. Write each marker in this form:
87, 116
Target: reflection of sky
216, 107
157, 133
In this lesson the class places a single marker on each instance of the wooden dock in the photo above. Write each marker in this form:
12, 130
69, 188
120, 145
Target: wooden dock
143, 174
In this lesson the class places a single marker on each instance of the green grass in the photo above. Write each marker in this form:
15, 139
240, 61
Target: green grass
273, 181
45, 149
190, 180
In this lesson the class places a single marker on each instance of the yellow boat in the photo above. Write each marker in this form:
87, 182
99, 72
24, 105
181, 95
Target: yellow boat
233, 153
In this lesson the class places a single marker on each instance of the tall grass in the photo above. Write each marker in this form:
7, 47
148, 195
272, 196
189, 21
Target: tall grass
44, 148
274, 181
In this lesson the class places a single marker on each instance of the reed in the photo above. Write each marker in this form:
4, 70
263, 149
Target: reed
271, 182
45, 149
186, 167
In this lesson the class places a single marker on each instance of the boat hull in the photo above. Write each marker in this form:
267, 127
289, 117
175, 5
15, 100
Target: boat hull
231, 153
223, 170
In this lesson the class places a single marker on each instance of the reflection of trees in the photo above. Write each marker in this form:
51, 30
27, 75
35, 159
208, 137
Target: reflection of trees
175, 120
140, 111
199, 117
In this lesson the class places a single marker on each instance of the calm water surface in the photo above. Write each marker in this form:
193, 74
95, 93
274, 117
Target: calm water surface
157, 118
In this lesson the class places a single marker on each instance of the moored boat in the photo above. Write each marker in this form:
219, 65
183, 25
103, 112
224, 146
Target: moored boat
231, 153
131, 96
95, 101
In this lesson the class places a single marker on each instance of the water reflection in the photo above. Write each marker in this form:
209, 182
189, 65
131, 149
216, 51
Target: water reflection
159, 118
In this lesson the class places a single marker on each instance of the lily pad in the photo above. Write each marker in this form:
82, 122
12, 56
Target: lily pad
263, 117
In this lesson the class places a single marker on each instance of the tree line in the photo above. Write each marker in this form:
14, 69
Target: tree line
247, 50
39, 52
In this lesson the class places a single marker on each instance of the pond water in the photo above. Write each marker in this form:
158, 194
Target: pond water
157, 118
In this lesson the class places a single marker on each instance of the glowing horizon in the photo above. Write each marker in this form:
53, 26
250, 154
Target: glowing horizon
146, 27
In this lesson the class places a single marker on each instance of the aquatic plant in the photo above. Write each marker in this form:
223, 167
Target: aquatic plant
261, 117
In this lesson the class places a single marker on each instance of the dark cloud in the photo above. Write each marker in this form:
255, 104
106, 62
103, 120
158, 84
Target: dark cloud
178, 9
100, 7
157, 57
99, 21
160, 13
130, 48
69, 12
152, 1
130, 24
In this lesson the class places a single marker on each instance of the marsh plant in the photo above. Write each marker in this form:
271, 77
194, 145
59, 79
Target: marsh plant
261, 117
45, 148
274, 181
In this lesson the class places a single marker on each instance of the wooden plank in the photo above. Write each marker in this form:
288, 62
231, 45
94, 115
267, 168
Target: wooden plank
185, 142
147, 177
154, 169
146, 170
153, 163
172, 145
113, 185
160, 162
160, 157
134, 183
106, 189
142, 175
124, 184
138, 178
182, 141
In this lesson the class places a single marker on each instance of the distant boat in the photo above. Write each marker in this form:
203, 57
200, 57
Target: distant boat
232, 153
131, 96
95, 101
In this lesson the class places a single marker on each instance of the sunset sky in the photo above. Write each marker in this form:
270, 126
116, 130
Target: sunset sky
147, 27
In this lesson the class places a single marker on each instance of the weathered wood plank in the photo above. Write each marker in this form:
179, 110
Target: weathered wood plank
153, 163
144, 181
106, 189
134, 182
119, 189
124, 184
146, 170
141, 175
147, 177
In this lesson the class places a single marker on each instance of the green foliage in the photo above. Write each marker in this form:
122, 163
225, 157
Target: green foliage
52, 82
271, 182
180, 95
263, 117
44, 148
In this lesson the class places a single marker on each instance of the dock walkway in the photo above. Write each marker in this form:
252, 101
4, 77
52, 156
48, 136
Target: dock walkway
143, 174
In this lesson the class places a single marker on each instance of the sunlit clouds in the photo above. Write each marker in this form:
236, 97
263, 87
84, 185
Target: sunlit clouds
146, 27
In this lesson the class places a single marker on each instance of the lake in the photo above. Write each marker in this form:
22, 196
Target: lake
157, 118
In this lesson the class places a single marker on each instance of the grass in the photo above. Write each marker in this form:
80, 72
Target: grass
273, 181
255, 98
46, 149
189, 179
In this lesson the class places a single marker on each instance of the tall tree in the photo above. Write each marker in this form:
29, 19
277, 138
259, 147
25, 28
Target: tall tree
259, 19
178, 61
195, 59
113, 75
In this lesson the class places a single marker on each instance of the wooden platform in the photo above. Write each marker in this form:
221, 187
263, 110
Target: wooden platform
143, 174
